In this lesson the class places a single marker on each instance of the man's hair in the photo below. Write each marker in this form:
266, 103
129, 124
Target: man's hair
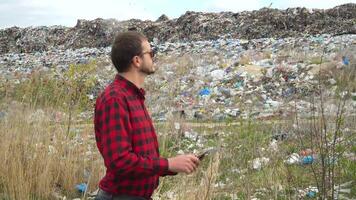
125, 47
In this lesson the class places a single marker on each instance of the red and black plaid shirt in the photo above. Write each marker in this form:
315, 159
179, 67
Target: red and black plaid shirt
127, 141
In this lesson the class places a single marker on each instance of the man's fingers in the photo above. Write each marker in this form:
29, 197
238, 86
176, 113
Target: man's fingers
191, 166
188, 170
195, 160
194, 165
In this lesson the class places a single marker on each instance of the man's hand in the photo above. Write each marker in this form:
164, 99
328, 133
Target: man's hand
183, 163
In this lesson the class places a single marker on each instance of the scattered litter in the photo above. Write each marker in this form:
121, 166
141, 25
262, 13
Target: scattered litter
293, 159
307, 160
257, 163
345, 60
204, 92
82, 187
223, 87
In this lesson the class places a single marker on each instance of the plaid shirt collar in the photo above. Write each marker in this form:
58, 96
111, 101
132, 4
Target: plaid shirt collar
129, 86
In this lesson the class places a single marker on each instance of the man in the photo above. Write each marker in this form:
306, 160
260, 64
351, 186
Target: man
124, 132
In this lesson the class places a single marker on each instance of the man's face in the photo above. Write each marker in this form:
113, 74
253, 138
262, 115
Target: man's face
147, 66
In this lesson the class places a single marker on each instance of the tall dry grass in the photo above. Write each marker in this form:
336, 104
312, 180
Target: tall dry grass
40, 161
197, 186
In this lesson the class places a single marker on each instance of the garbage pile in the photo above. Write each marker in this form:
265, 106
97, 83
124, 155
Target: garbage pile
217, 79
260, 78
192, 26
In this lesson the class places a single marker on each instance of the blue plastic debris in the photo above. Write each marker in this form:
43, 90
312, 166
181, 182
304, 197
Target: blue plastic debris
82, 187
307, 160
239, 84
204, 92
345, 60
311, 194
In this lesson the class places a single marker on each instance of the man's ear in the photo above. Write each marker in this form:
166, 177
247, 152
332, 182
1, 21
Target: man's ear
136, 61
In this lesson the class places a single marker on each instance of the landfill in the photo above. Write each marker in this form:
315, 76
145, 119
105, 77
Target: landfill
192, 26
216, 80
212, 67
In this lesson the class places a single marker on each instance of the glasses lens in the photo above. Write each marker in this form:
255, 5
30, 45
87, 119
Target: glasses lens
154, 52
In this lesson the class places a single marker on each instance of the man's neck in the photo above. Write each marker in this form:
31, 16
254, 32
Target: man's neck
134, 78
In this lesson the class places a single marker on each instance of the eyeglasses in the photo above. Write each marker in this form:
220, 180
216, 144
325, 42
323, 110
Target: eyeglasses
152, 53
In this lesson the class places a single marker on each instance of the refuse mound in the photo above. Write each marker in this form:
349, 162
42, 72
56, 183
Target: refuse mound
192, 26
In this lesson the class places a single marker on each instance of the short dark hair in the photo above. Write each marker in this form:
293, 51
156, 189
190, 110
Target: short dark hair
126, 45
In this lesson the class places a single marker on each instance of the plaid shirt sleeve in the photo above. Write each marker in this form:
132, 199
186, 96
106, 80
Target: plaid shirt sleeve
114, 142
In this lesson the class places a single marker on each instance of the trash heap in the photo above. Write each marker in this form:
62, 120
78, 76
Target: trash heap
192, 26
216, 79
260, 78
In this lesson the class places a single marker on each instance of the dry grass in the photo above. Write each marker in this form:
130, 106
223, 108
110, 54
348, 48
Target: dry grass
40, 160
198, 186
